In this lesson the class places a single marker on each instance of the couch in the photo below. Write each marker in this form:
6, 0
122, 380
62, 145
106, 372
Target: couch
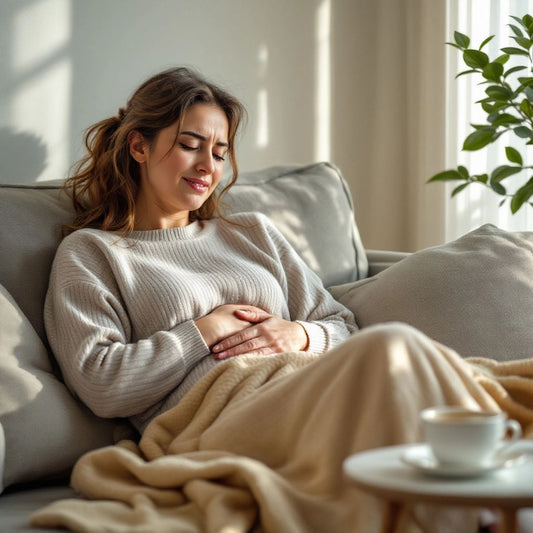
44, 429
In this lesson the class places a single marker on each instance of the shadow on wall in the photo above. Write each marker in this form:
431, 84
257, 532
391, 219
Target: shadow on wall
23, 156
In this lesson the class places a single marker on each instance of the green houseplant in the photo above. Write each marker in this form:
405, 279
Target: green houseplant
508, 105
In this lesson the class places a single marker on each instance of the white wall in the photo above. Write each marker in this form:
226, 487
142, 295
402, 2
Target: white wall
321, 79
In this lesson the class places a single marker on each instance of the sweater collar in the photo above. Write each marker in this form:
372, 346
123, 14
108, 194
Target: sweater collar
191, 231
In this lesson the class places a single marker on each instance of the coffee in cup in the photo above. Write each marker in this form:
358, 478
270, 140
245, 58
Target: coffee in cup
459, 436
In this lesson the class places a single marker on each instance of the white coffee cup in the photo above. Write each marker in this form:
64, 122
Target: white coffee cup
462, 436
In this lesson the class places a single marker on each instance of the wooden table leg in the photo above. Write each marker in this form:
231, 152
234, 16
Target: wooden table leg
390, 518
508, 521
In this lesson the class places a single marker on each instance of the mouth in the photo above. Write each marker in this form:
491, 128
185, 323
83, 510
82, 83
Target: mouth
198, 184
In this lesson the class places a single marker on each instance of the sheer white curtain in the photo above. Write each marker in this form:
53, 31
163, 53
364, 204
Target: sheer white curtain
477, 205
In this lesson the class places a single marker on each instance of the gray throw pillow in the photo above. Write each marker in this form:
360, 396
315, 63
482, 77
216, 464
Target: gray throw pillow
474, 294
43, 429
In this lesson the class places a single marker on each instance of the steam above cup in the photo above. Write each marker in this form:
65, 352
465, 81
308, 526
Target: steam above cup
459, 436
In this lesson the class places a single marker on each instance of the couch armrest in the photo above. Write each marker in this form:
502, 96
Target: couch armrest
379, 260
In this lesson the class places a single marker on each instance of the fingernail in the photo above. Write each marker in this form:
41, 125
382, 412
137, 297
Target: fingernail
221, 355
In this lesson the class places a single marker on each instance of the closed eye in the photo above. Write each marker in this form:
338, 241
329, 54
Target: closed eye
189, 148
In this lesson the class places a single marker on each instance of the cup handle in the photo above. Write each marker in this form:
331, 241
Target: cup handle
513, 430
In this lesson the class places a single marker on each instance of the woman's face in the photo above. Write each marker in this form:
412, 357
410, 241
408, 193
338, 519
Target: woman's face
179, 174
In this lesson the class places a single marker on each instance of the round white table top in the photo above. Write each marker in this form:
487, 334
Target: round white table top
383, 472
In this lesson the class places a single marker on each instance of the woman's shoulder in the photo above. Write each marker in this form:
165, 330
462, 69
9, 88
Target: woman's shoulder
86, 241
258, 226
86, 234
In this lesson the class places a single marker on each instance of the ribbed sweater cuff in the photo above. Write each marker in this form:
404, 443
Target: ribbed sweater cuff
193, 345
316, 335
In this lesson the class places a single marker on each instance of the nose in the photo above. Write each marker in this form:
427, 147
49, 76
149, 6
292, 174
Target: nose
205, 163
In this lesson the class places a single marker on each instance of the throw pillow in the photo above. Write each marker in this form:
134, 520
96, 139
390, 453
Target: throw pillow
474, 294
43, 428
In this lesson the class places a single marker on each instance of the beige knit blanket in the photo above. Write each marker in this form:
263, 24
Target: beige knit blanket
258, 444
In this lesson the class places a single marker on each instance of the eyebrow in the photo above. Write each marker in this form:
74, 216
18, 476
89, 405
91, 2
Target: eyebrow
202, 138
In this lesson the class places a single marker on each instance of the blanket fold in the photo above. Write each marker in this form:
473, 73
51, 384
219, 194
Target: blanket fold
258, 443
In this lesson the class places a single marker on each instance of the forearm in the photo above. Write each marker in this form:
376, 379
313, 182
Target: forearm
117, 379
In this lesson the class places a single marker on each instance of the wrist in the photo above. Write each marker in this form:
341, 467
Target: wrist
204, 327
304, 343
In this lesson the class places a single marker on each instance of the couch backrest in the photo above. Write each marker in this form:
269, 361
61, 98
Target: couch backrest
311, 205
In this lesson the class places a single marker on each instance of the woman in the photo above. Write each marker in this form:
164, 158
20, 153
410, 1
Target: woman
151, 290
154, 292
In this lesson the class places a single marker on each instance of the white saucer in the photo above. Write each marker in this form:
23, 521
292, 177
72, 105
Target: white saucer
420, 457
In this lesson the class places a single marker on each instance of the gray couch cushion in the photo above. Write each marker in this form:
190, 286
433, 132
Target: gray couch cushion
474, 294
311, 205
16, 507
29, 224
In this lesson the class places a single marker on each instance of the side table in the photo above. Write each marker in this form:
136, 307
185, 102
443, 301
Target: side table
382, 472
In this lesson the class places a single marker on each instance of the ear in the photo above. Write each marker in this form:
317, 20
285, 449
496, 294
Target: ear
137, 146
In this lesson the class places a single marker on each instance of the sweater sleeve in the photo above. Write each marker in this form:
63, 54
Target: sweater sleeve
326, 321
90, 334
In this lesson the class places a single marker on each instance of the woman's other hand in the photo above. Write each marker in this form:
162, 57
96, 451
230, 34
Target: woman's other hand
265, 334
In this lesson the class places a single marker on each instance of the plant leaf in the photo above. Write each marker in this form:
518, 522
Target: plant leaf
461, 39
503, 119
478, 139
463, 171
516, 30
454, 45
513, 70
471, 71
522, 195
498, 93
475, 58
498, 188
526, 107
529, 93
523, 132
502, 59
513, 155
502, 172
527, 20
523, 42
526, 81
487, 40
511, 50
460, 188
446, 175
519, 20
493, 71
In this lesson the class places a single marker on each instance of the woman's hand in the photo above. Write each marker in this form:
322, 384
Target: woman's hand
223, 322
265, 334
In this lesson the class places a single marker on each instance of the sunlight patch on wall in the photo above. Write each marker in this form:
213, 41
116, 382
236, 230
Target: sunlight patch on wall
40, 30
42, 70
262, 98
323, 82
41, 105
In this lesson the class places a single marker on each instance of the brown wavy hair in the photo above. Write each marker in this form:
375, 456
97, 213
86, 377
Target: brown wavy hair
104, 183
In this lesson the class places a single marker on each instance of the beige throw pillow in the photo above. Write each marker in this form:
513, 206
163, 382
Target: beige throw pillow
43, 429
474, 294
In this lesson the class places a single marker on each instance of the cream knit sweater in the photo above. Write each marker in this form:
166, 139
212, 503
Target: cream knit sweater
120, 312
